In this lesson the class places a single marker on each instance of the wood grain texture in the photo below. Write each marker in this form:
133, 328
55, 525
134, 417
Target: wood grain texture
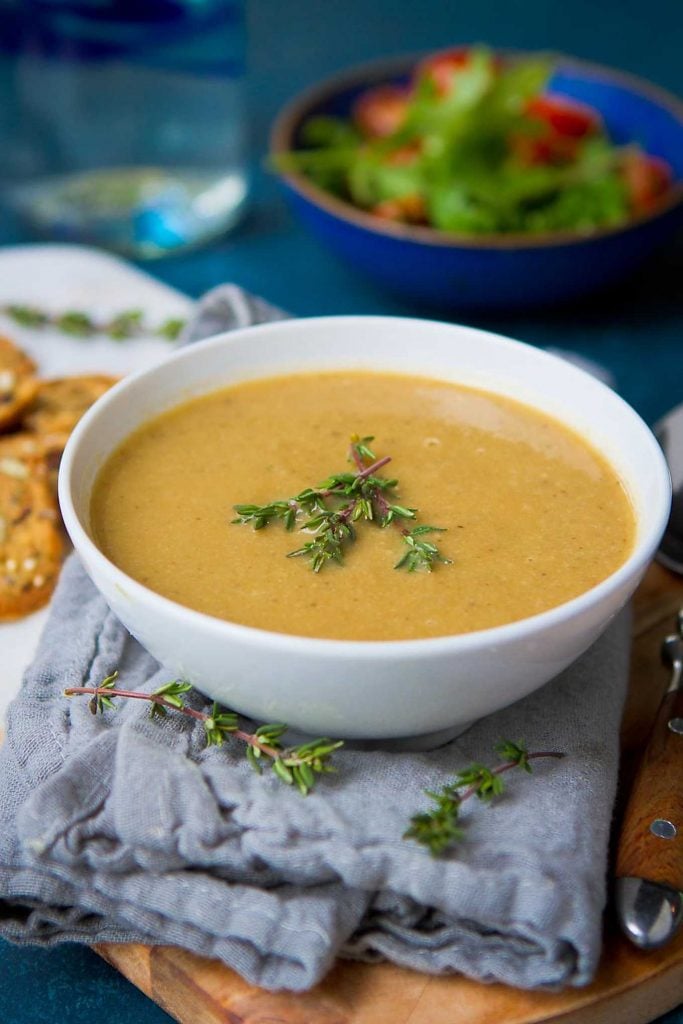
657, 793
631, 987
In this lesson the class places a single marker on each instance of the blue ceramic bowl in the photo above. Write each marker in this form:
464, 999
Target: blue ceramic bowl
494, 271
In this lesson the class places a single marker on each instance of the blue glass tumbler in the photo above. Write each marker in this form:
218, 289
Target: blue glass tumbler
123, 121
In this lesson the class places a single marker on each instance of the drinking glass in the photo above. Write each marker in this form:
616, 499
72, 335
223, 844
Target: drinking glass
123, 121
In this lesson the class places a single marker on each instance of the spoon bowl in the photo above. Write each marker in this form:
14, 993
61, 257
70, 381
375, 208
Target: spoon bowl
650, 909
669, 433
650, 913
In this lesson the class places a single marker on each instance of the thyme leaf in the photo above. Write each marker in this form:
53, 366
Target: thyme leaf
296, 766
130, 323
332, 510
438, 827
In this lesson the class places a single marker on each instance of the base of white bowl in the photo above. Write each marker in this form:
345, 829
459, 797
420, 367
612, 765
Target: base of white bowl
398, 744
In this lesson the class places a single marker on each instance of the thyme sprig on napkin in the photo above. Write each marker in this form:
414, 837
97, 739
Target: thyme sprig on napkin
438, 828
129, 323
293, 765
331, 511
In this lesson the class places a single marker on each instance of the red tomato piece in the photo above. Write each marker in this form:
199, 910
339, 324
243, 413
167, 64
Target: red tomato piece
563, 115
647, 179
381, 111
404, 155
442, 68
408, 209
550, 148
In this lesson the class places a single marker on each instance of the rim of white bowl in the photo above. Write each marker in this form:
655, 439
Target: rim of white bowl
637, 561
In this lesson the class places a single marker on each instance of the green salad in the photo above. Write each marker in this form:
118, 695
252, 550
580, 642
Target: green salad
475, 145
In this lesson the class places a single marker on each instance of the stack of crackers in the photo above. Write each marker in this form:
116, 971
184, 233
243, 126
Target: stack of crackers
36, 418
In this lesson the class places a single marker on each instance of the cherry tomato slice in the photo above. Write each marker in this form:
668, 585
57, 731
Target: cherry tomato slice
408, 209
380, 111
563, 115
550, 148
404, 156
647, 179
442, 68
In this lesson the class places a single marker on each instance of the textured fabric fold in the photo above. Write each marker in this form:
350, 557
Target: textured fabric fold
118, 828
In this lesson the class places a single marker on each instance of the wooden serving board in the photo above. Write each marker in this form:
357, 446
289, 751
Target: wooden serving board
631, 986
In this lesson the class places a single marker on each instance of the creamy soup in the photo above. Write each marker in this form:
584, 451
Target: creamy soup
533, 515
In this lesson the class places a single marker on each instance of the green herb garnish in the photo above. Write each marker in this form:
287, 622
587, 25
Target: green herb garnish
332, 510
296, 766
130, 323
438, 828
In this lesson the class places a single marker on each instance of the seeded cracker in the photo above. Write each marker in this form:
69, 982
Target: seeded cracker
60, 403
41, 415
18, 384
37, 455
31, 543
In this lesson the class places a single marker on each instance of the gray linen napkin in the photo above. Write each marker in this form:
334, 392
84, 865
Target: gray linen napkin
118, 828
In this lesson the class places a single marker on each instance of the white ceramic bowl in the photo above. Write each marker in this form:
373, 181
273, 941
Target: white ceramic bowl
368, 690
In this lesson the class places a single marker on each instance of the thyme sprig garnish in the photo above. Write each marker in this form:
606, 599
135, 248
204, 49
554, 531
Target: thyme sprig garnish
438, 828
296, 766
130, 323
332, 509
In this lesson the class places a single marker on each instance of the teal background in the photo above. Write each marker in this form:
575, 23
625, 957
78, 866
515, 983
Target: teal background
636, 330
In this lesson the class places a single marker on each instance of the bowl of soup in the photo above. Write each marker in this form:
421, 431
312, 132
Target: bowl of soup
549, 494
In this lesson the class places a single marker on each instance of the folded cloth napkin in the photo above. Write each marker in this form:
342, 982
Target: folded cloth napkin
120, 828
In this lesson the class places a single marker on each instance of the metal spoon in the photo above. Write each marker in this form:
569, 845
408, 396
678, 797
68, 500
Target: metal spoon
649, 908
669, 433
650, 912
649, 901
